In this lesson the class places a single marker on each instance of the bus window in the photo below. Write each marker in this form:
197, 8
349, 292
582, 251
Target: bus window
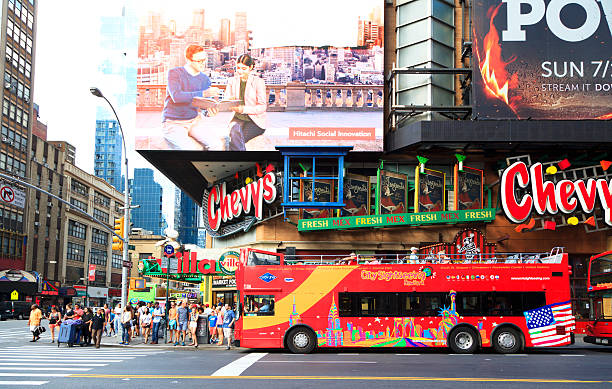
259, 305
262, 259
601, 270
468, 304
422, 304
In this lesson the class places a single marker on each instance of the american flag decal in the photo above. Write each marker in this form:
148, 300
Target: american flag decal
543, 322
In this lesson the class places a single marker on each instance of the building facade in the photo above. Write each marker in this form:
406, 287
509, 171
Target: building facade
108, 153
147, 193
87, 245
186, 216
18, 41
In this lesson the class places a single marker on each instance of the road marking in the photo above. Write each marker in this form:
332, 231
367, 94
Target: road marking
342, 362
28, 383
340, 378
38, 367
29, 365
55, 360
235, 368
408, 354
347, 354
61, 357
34, 374
515, 355
460, 354
572, 355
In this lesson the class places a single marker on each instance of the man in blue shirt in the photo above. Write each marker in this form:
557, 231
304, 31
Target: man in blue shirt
183, 125
183, 317
158, 313
228, 325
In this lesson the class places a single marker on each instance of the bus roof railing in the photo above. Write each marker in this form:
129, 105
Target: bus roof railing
554, 256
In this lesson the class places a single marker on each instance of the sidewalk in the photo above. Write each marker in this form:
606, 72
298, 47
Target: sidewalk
138, 342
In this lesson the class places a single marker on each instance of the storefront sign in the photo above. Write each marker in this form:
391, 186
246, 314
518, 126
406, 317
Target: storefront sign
430, 190
80, 290
223, 207
185, 295
94, 291
393, 192
356, 196
224, 283
190, 268
323, 193
228, 262
549, 197
468, 190
404, 219
50, 288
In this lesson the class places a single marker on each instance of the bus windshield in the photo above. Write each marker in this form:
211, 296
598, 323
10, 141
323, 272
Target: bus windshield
601, 270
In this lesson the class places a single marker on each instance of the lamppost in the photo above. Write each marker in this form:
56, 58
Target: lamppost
126, 208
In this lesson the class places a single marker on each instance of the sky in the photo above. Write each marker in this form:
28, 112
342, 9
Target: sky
67, 57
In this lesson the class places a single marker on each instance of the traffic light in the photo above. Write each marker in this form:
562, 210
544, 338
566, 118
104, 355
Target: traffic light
119, 226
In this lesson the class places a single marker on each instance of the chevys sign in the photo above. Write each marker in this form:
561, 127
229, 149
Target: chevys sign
223, 206
548, 197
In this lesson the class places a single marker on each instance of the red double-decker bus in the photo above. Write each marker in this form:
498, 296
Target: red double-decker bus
599, 329
505, 301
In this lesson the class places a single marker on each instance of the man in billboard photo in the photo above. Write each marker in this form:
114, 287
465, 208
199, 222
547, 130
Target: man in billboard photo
184, 126
249, 118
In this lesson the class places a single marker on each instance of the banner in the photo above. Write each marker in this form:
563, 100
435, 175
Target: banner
468, 188
542, 59
393, 192
92, 273
430, 193
249, 76
356, 195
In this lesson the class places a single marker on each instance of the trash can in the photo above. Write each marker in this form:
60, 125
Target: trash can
202, 330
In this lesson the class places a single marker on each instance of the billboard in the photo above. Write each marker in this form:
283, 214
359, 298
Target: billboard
542, 59
241, 76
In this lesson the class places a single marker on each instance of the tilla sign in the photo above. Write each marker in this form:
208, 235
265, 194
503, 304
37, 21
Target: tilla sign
523, 190
403, 219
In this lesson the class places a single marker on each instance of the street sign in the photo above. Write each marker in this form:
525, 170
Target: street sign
14, 295
173, 265
127, 264
169, 249
12, 195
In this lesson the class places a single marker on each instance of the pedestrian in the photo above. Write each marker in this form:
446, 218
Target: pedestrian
106, 319
118, 312
158, 313
69, 312
112, 331
145, 324
96, 325
172, 323
212, 326
126, 323
87, 316
220, 316
54, 321
193, 325
182, 314
208, 310
34, 322
228, 325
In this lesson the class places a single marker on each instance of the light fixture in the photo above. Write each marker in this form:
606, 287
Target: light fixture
422, 162
460, 158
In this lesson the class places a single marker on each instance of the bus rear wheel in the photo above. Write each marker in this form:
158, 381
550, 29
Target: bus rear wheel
301, 340
506, 340
463, 340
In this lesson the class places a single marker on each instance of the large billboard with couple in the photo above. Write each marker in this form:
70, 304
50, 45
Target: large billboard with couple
241, 76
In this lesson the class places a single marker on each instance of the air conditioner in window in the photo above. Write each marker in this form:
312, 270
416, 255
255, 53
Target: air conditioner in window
4, 139
49, 204
8, 59
36, 211
7, 85
36, 223
46, 164
26, 100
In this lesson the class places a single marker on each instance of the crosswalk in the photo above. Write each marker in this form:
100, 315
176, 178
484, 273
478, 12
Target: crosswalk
9, 335
35, 365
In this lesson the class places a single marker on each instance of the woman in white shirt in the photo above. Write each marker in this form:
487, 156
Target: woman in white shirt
145, 324
126, 322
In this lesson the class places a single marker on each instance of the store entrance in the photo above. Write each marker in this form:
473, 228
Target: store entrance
225, 297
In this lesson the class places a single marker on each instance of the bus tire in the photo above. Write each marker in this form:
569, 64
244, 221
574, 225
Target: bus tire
506, 340
463, 340
301, 340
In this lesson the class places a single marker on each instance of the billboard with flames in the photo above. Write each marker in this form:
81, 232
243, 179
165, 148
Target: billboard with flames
542, 59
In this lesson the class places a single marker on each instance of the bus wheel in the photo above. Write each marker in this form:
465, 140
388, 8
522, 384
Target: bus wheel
301, 340
463, 340
506, 340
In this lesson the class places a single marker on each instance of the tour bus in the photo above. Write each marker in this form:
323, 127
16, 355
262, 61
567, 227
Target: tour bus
599, 285
505, 301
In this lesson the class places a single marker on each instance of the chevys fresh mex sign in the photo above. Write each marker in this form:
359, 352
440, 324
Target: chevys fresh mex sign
221, 207
548, 197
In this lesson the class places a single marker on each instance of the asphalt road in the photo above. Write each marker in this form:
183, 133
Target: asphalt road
44, 364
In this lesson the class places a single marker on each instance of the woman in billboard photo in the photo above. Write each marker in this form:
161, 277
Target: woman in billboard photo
184, 126
249, 118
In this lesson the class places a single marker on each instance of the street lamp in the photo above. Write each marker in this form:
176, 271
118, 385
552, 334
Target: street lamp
126, 214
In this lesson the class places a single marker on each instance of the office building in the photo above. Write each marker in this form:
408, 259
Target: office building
186, 216
146, 193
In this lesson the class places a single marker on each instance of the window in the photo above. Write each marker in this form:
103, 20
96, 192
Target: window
100, 199
101, 215
76, 229
117, 261
259, 259
97, 257
75, 251
259, 305
98, 236
78, 204
79, 188
100, 277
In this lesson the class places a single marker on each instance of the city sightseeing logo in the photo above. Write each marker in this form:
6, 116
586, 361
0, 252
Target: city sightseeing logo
411, 278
